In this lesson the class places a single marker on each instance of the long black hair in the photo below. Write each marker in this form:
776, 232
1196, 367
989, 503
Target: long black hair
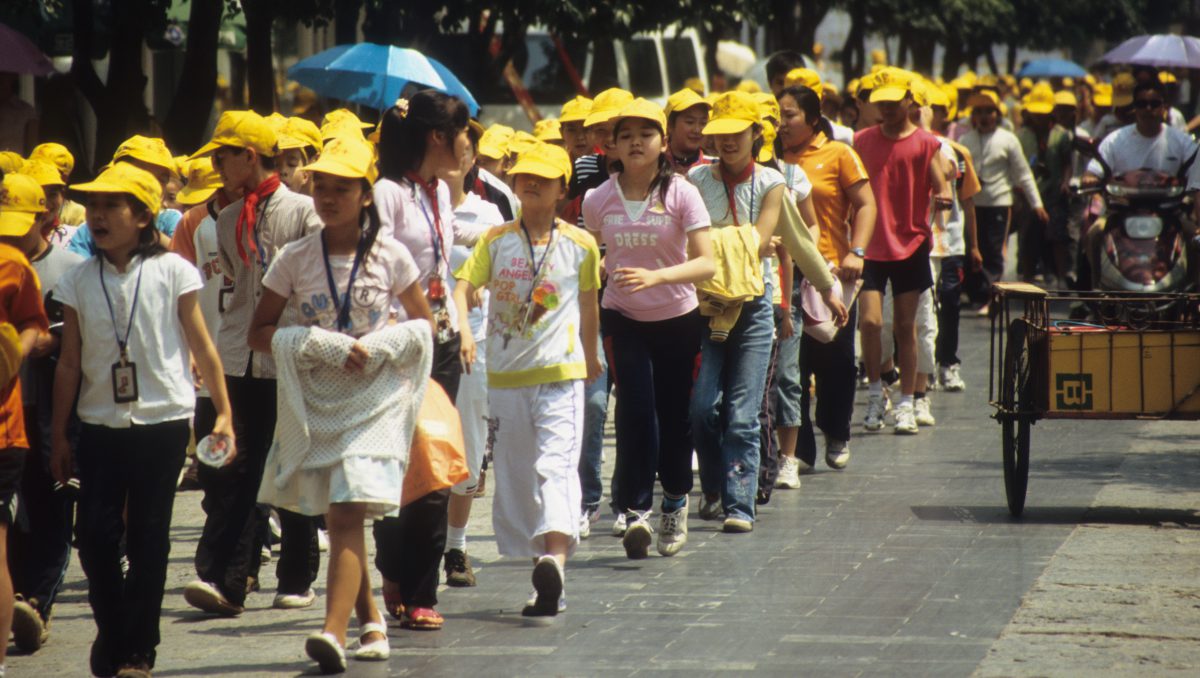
809, 101
663, 175
148, 244
402, 136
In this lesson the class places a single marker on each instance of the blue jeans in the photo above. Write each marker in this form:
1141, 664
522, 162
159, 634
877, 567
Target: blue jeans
595, 413
726, 400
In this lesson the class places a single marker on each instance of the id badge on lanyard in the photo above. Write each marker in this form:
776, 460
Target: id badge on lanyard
124, 371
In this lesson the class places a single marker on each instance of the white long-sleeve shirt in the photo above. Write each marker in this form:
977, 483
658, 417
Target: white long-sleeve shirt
1001, 165
1126, 150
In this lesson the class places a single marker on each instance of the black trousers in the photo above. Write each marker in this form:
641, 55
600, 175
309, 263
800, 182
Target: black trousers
949, 295
228, 552
136, 469
653, 364
834, 370
416, 540
992, 225
408, 548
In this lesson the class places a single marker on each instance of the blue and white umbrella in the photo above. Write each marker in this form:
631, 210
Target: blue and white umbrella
375, 75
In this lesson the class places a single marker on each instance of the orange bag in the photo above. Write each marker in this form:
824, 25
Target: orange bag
438, 457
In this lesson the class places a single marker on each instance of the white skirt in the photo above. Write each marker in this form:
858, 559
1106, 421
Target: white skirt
372, 481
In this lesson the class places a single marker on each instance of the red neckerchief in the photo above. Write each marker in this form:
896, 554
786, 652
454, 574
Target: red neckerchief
430, 189
731, 183
249, 216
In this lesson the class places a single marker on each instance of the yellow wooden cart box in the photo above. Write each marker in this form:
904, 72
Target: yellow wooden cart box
1123, 373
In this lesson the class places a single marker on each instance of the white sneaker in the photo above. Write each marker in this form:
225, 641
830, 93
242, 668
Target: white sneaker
951, 379
323, 540
906, 420
876, 408
294, 601
673, 530
921, 412
837, 453
638, 535
585, 522
789, 474
618, 528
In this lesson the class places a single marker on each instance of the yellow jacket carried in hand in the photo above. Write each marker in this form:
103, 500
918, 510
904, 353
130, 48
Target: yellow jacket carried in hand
738, 277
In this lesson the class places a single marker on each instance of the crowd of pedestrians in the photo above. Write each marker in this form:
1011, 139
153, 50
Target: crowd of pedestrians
351, 322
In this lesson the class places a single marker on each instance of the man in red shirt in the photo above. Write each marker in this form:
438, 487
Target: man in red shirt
900, 160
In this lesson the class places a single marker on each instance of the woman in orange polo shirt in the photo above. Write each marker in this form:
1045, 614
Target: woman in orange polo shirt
845, 210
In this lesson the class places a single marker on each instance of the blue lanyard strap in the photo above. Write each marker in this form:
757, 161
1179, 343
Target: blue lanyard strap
122, 343
535, 269
437, 239
342, 307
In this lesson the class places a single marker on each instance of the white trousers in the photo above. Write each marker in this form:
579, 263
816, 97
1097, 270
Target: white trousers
539, 433
472, 404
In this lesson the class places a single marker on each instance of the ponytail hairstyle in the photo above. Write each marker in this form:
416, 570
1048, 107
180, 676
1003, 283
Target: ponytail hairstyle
373, 222
809, 102
403, 135
663, 175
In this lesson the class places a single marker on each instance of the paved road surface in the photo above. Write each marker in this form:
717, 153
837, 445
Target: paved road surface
904, 564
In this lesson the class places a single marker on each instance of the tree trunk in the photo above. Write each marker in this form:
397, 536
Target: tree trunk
991, 60
260, 74
118, 103
902, 49
186, 124
345, 21
812, 13
1012, 57
952, 59
921, 49
852, 51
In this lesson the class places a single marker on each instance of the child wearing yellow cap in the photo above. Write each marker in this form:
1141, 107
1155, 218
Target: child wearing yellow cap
687, 113
655, 252
250, 231
414, 207
149, 154
589, 171
23, 322
542, 345
343, 281
131, 319
72, 213
44, 550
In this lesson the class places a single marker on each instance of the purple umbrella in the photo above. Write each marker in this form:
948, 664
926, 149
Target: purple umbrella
19, 55
1159, 51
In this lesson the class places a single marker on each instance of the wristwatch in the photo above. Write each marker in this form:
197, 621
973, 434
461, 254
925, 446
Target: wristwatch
858, 252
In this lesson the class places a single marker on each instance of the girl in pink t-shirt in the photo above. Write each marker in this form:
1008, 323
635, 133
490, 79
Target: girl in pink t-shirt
654, 226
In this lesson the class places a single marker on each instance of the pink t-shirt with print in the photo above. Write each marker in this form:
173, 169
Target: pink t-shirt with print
651, 234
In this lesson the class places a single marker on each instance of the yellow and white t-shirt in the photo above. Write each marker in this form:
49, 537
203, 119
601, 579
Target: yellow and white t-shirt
533, 319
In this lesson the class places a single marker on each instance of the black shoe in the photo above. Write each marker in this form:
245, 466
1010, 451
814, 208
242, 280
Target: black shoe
458, 569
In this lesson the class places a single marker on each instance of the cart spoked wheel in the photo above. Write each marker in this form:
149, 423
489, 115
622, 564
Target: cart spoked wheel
1018, 401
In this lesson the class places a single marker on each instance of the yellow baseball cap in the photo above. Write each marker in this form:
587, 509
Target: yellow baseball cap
1122, 89
548, 129
543, 160
695, 84
1103, 97
606, 105
732, 113
57, 155
43, 172
347, 157
122, 177
768, 106
936, 96
10, 161
828, 89
852, 87
748, 86
150, 150
803, 77
521, 141
576, 110
646, 110
1040, 99
202, 181
344, 116
1167, 77
1068, 82
951, 94
1065, 97
494, 142
1026, 84
683, 100
891, 84
242, 129
983, 99
22, 202
297, 132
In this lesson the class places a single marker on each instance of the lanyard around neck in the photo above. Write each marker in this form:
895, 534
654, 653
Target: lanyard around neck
437, 239
122, 343
342, 307
535, 266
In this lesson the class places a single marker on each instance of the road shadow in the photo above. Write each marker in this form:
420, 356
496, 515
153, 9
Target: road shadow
1061, 515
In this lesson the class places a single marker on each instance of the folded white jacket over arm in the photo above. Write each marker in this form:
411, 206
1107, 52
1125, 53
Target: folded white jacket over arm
327, 412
